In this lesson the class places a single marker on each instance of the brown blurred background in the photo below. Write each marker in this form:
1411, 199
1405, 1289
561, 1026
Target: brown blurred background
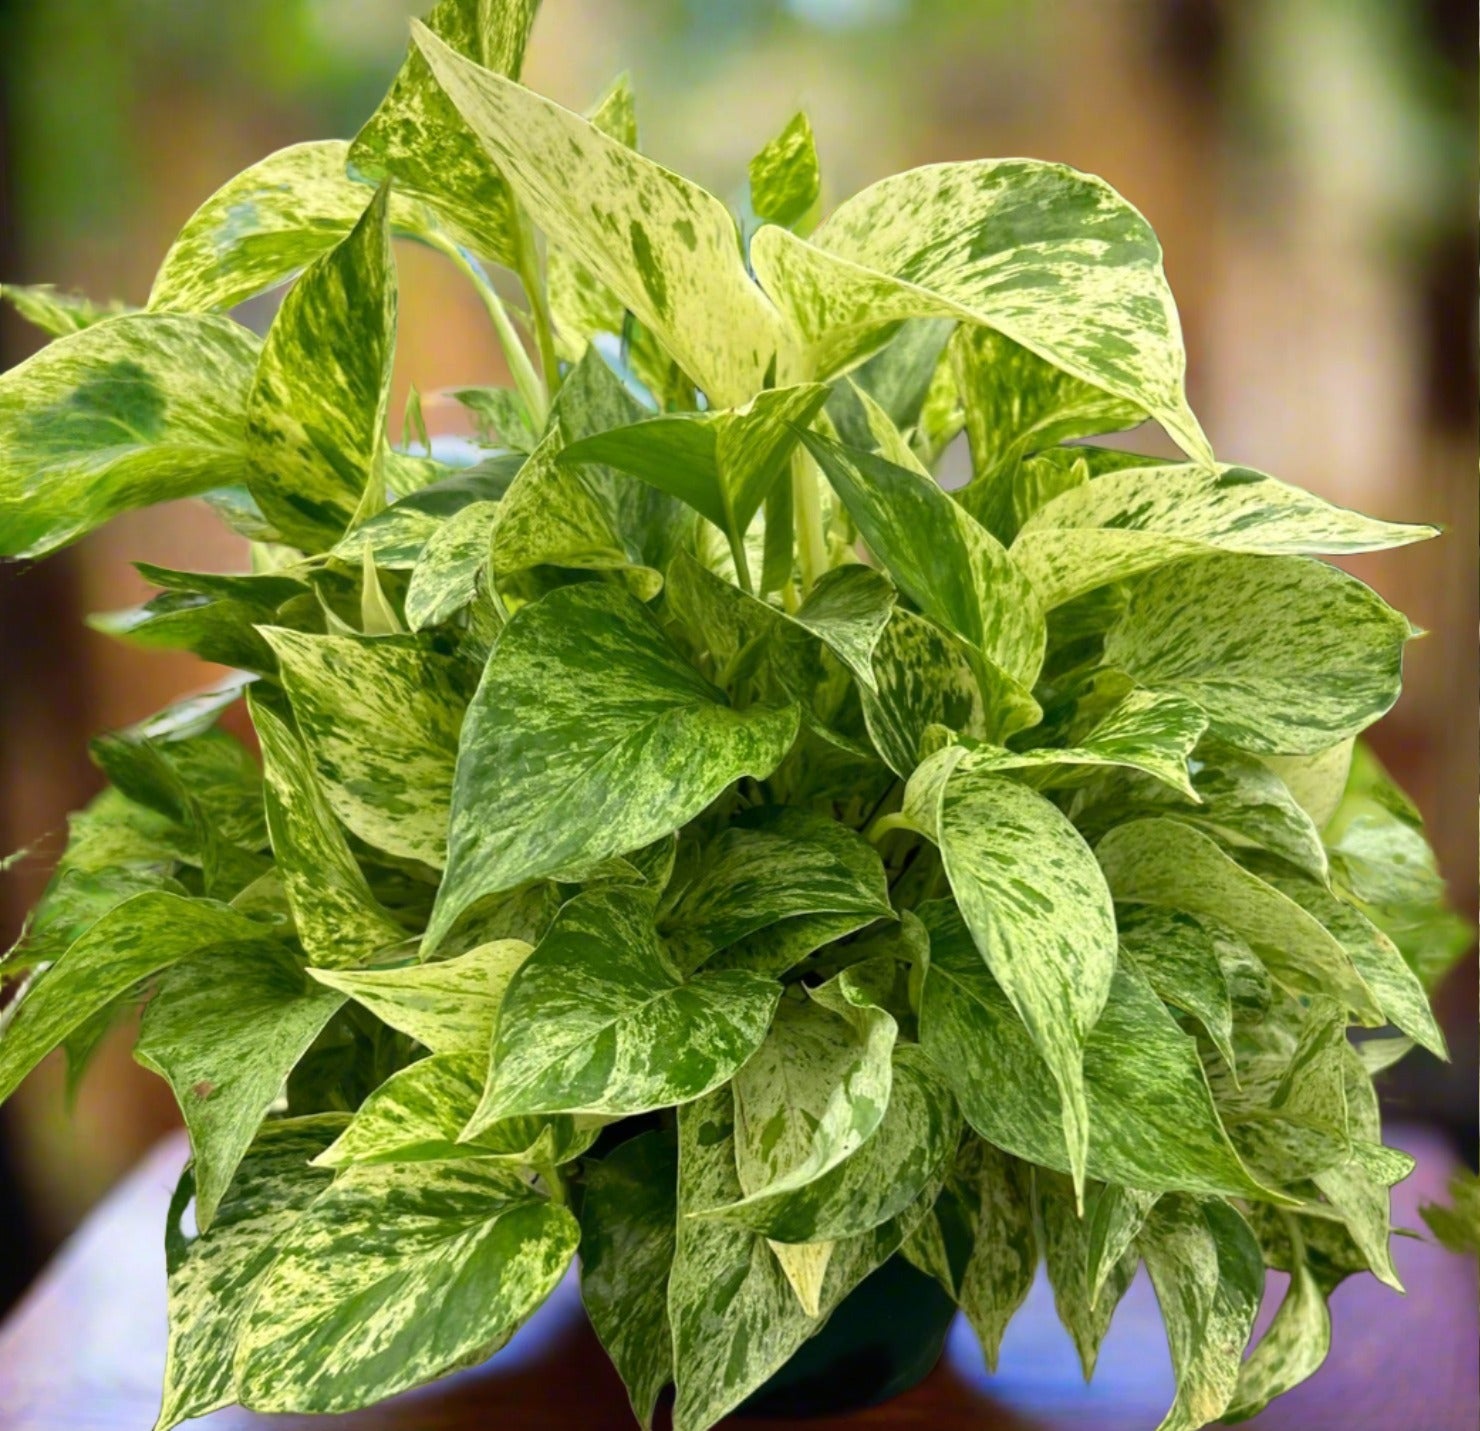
1310, 166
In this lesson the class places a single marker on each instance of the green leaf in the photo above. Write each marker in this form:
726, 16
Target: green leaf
380, 717
417, 137
500, 417
955, 571
597, 1020
1054, 260
1116, 1216
1040, 914
57, 314
224, 1031
449, 1006
448, 573
139, 937
629, 1216
1316, 781
1208, 1275
1168, 863
770, 864
778, 947
142, 408
338, 919
213, 1277
643, 744
395, 1276
1152, 1123
785, 180
979, 1240
265, 224
664, 246
316, 414
1286, 655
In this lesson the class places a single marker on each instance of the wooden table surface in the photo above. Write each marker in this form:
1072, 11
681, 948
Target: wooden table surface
84, 1350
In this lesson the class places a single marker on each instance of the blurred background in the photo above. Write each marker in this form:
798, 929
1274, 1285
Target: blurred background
1308, 164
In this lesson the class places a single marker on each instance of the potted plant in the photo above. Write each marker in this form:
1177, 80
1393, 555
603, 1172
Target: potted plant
690, 842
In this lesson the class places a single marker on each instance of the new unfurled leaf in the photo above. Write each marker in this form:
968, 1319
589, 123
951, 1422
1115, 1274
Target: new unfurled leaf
785, 180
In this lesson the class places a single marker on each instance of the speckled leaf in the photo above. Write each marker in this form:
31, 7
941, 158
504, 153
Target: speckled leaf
266, 223
142, 408
1168, 863
380, 717
337, 918
1287, 655
213, 1278
597, 1020
449, 1006
770, 864
954, 570
782, 946
847, 610
54, 312
643, 744
142, 935
668, 249
1316, 781
1169, 1138
224, 1031
1040, 914
1178, 954
1050, 258
316, 414
394, 1276
417, 137
1128, 522
1292, 1348
446, 576
629, 1216
1209, 1276
785, 179
1115, 1216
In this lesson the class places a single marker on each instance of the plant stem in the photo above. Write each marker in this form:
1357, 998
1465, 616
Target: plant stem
528, 269
807, 507
887, 824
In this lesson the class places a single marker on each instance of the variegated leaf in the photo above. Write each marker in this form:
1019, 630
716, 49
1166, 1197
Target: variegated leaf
224, 1030
664, 246
380, 717
1132, 521
316, 414
447, 574
1287, 655
1086, 293
213, 1277
588, 736
597, 1020
449, 1006
1116, 1216
1171, 1137
396, 1275
629, 1217
785, 180
1316, 781
1208, 1275
56, 313
138, 409
782, 946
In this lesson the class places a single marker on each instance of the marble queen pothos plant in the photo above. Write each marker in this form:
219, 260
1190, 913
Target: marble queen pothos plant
688, 838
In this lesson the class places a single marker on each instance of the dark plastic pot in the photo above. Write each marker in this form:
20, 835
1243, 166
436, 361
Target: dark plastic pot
887, 1334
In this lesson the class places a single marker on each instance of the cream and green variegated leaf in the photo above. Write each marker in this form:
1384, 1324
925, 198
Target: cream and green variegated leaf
1209, 1276
734, 1316
1052, 259
785, 178
783, 945
1128, 522
417, 137
629, 1216
268, 222
447, 574
337, 918
417, 1115
952, 568
1168, 863
396, 1275
667, 249
1287, 655
771, 864
380, 716
1316, 781
54, 312
449, 1006
213, 1277
500, 417
1114, 1218
224, 1030
134, 410
136, 938
1040, 913
899, 381
394, 537
316, 413
598, 1020
1017, 404
979, 1241
1151, 1117
589, 735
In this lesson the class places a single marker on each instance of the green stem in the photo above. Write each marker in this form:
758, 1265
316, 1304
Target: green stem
807, 506
528, 269
742, 564
552, 1179
887, 824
